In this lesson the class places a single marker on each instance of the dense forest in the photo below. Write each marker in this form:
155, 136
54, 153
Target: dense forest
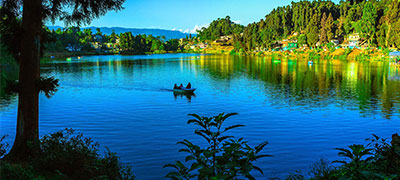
317, 23
220, 27
75, 39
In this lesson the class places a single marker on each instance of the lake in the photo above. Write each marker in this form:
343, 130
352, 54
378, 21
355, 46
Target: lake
304, 111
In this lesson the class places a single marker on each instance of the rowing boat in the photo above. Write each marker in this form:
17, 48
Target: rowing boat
185, 90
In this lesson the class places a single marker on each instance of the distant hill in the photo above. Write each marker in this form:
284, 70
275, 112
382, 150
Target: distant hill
169, 34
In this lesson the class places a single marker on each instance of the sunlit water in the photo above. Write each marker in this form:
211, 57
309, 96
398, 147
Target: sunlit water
304, 111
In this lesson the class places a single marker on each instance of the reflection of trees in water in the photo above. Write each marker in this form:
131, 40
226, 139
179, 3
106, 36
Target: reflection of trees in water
293, 83
8, 72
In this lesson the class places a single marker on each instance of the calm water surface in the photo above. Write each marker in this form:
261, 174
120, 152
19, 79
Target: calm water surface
124, 102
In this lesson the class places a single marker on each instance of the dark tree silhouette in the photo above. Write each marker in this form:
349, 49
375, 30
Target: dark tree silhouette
21, 30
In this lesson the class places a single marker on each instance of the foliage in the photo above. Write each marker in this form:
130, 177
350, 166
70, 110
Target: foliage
312, 31
295, 176
17, 172
220, 27
3, 146
75, 39
357, 167
377, 160
377, 22
225, 157
64, 155
322, 169
386, 159
48, 86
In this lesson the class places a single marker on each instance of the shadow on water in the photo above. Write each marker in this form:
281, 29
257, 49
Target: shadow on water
187, 95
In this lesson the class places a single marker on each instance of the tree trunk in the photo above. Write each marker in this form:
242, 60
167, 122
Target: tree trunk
27, 137
388, 34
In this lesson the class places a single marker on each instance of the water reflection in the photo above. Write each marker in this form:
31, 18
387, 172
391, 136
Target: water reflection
188, 96
109, 97
370, 87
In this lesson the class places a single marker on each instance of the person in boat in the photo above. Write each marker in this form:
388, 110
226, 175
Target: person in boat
181, 86
189, 86
175, 86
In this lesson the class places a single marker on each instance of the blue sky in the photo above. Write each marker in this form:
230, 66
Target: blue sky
185, 15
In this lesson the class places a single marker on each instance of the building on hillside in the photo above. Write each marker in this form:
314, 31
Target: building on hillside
96, 45
73, 48
335, 42
203, 45
98, 37
293, 45
395, 56
288, 44
110, 45
353, 40
223, 39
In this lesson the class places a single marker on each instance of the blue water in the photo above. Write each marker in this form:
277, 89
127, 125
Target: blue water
125, 103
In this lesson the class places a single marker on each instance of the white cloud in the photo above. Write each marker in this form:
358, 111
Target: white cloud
191, 31
197, 27
236, 21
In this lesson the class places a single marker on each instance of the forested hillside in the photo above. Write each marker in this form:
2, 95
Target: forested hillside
318, 22
220, 27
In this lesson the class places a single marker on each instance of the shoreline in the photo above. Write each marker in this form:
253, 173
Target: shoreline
354, 54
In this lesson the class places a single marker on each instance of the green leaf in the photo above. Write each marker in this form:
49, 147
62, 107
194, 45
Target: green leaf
261, 146
232, 127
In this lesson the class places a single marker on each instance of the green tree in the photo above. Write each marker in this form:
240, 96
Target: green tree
329, 26
29, 31
323, 34
366, 26
302, 39
312, 31
220, 27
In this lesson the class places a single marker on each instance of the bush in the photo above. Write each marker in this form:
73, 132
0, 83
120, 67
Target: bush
382, 161
322, 169
225, 157
17, 172
3, 146
64, 155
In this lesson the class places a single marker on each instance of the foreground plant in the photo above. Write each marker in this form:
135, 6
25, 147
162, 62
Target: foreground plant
382, 161
65, 155
357, 167
225, 157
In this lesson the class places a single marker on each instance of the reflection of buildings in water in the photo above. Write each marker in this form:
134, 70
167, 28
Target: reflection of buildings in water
394, 73
187, 95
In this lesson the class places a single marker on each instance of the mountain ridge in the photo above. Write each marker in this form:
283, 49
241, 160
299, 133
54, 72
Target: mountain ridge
169, 34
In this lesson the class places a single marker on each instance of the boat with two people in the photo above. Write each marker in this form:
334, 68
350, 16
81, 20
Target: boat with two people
182, 89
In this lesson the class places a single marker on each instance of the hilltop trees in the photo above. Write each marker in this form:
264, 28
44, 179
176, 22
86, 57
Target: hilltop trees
366, 26
377, 22
323, 35
220, 27
312, 31
329, 26
24, 37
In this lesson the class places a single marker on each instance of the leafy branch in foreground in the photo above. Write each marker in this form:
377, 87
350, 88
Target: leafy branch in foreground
225, 156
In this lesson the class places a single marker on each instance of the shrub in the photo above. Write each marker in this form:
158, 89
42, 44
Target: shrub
295, 176
386, 159
3, 146
17, 172
225, 157
322, 169
64, 155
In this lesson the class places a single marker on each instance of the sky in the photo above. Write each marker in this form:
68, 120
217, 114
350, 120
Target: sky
185, 15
